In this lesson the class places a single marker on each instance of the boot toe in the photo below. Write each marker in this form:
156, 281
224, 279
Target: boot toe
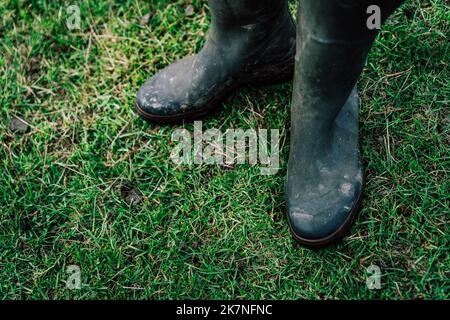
318, 225
325, 219
155, 101
167, 93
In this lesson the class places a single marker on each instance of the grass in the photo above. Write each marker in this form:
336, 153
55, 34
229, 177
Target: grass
88, 183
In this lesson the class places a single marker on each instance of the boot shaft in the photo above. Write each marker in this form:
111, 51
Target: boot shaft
252, 28
342, 21
243, 13
333, 41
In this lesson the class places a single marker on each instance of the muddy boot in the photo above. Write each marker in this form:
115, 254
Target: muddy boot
325, 175
250, 42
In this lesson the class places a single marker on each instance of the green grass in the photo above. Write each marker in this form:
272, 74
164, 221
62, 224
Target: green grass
205, 231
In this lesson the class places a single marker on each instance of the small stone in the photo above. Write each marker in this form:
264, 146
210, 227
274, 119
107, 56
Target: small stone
189, 10
146, 19
196, 261
131, 195
183, 246
25, 224
18, 125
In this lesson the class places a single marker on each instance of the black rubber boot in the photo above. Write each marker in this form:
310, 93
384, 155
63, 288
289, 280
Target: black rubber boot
250, 42
325, 175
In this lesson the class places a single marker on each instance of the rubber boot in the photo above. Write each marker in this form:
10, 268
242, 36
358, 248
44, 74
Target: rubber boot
325, 177
250, 42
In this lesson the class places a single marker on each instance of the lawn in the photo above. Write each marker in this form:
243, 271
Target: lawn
86, 183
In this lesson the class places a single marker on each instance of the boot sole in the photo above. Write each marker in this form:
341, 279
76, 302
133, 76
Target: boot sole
286, 74
339, 233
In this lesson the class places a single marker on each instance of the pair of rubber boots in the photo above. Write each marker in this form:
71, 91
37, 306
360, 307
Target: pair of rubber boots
255, 42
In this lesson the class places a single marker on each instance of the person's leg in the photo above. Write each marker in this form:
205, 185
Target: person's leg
250, 42
325, 175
